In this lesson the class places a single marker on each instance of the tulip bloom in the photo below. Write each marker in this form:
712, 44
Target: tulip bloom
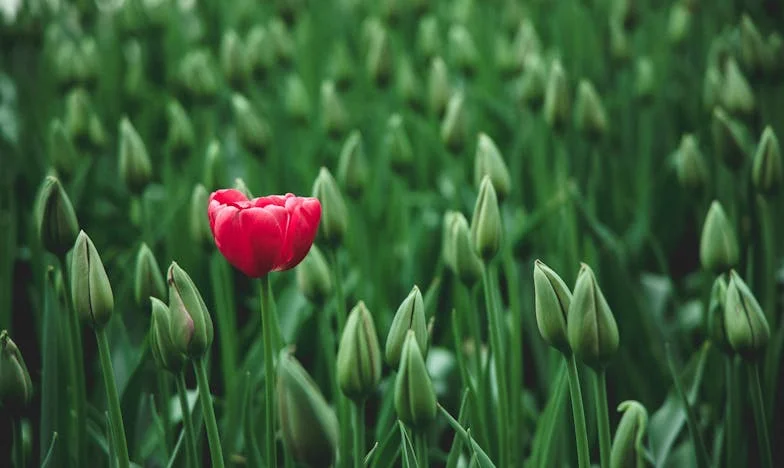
264, 234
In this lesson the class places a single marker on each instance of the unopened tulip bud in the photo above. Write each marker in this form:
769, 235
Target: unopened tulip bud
465, 262
730, 139
753, 49
181, 136
410, 316
679, 23
359, 355
91, 291
489, 162
447, 246
379, 57
438, 87
747, 328
164, 353
135, 166
690, 166
644, 79
135, 74
711, 87
628, 448
190, 324
214, 167
775, 53
428, 39
533, 83
736, 94
462, 49
334, 215
296, 99
334, 117
526, 42
486, 228
353, 166
341, 67
767, 172
148, 281
314, 278
199, 223
233, 58
551, 300
56, 220
283, 43
454, 126
16, 388
415, 399
239, 184
407, 83
62, 153
589, 111
259, 54
620, 49
82, 125
591, 327
197, 74
307, 422
625, 13
253, 131
397, 144
719, 249
556, 97
717, 332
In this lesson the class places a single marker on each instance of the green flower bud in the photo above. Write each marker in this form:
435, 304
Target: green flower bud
359, 356
556, 97
717, 332
135, 74
190, 325
767, 173
462, 49
775, 53
415, 399
81, 123
690, 166
625, 13
340, 67
753, 48
589, 111
164, 353
486, 228
397, 144
729, 139
407, 83
532, 85
62, 153
334, 215
489, 162
334, 117
181, 136
745, 323
438, 87
197, 74
552, 299
591, 328
314, 277
56, 220
454, 126
619, 42
214, 167
199, 222
410, 316
526, 42
353, 171
628, 449
719, 249
16, 388
736, 94
465, 262
379, 57
679, 23
91, 291
307, 422
428, 38
135, 166
711, 87
447, 246
233, 58
148, 280
259, 54
644, 78
282, 42
296, 99
252, 130
239, 184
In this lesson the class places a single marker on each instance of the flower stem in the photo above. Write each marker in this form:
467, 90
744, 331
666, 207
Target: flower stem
340, 310
603, 418
269, 375
759, 416
578, 413
421, 448
213, 437
163, 406
115, 415
359, 434
187, 422
730, 427
19, 453
496, 342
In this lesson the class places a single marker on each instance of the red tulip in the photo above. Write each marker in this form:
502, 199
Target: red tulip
264, 234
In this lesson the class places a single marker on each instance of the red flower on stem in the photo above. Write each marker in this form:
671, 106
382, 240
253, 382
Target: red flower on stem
264, 234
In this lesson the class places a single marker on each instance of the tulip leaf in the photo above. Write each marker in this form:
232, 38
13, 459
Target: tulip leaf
51, 385
455, 450
49, 452
409, 454
177, 447
251, 441
369, 455
388, 451
551, 423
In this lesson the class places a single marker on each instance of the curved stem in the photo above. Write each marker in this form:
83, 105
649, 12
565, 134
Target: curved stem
603, 418
359, 434
213, 436
270, 454
759, 416
187, 421
496, 342
113, 399
578, 413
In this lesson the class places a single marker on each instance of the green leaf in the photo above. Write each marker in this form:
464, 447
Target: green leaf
454, 451
51, 386
551, 424
388, 451
48, 457
409, 454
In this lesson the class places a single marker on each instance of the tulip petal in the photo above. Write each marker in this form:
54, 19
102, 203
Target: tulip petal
305, 214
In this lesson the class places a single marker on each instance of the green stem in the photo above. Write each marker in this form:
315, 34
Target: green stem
420, 438
163, 406
759, 416
225, 314
603, 418
340, 310
516, 354
187, 421
18, 454
359, 434
578, 413
213, 436
496, 342
327, 339
113, 399
730, 427
269, 375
